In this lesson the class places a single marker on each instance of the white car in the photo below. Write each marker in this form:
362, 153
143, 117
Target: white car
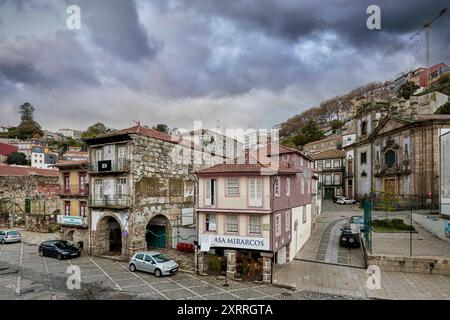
345, 200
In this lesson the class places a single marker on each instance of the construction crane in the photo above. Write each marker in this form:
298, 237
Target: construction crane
427, 26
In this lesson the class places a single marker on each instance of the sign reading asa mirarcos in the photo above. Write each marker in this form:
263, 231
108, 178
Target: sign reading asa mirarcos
239, 242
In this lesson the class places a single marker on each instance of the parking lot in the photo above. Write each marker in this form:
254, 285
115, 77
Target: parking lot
26, 275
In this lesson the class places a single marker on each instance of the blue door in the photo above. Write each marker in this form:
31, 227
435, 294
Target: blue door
156, 236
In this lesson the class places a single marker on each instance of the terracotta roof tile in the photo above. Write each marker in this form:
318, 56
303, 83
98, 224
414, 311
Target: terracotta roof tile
328, 154
10, 170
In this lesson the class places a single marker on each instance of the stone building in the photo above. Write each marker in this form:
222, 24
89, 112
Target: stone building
397, 151
330, 166
141, 182
73, 193
329, 143
28, 194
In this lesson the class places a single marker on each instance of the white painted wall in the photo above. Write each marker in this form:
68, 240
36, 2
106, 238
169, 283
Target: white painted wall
437, 226
303, 232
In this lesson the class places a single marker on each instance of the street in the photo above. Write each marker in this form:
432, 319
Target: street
24, 275
323, 266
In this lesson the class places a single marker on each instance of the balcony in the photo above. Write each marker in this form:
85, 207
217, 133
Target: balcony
75, 221
78, 190
109, 166
114, 201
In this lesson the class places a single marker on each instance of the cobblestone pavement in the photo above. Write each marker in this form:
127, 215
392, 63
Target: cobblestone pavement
323, 244
26, 275
314, 269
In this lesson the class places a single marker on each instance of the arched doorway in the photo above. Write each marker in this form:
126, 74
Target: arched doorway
158, 232
109, 236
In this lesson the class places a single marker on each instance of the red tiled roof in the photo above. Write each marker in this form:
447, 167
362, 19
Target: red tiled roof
246, 166
281, 150
6, 149
67, 163
140, 130
328, 154
10, 170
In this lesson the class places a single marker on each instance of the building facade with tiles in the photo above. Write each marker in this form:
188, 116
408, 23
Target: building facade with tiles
253, 210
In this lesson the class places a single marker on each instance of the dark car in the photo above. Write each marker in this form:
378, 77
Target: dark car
359, 220
349, 238
59, 249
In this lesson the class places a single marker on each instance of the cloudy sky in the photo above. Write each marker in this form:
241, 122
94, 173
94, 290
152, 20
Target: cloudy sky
249, 64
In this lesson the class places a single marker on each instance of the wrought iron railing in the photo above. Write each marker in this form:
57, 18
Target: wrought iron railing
111, 200
74, 189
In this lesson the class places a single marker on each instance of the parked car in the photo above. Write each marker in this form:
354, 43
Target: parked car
349, 238
359, 220
345, 200
9, 236
336, 198
153, 262
58, 249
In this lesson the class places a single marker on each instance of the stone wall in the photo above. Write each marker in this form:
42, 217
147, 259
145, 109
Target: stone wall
427, 265
33, 187
40, 223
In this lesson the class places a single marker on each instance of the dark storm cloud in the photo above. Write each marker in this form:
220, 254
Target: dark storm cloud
251, 63
114, 25
58, 61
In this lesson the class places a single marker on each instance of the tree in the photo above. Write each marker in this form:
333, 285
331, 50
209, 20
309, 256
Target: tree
312, 131
26, 112
28, 128
161, 127
407, 89
444, 109
17, 158
94, 130
336, 125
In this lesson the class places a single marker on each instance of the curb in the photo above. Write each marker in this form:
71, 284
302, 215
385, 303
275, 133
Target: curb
291, 287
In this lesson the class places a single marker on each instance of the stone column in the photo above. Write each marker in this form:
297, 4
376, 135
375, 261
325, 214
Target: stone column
231, 263
267, 269
199, 261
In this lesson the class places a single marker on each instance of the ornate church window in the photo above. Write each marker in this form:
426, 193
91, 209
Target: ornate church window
389, 158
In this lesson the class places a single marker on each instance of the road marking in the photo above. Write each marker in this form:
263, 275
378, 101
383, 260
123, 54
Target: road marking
3, 248
143, 280
221, 289
50, 284
19, 277
106, 274
186, 288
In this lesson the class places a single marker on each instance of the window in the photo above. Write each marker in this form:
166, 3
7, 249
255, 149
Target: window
277, 225
337, 178
121, 187
302, 185
82, 178
66, 183
328, 179
98, 189
67, 208
389, 158
328, 164
319, 164
254, 224
288, 220
210, 187
139, 256
210, 221
285, 158
232, 188
363, 157
288, 187
307, 186
82, 206
304, 215
148, 259
336, 163
255, 192
363, 128
232, 223
301, 162
277, 187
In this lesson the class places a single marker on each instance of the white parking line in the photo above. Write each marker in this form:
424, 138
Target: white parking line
50, 285
186, 288
106, 274
148, 284
219, 288
3, 248
19, 277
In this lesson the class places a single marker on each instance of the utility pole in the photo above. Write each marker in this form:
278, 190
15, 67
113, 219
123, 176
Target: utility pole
427, 27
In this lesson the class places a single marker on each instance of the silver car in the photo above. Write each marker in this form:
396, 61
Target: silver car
153, 262
9, 236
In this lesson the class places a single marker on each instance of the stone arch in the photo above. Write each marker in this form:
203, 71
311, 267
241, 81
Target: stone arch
108, 236
158, 232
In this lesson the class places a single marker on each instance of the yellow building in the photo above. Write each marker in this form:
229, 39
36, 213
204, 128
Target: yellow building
73, 193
